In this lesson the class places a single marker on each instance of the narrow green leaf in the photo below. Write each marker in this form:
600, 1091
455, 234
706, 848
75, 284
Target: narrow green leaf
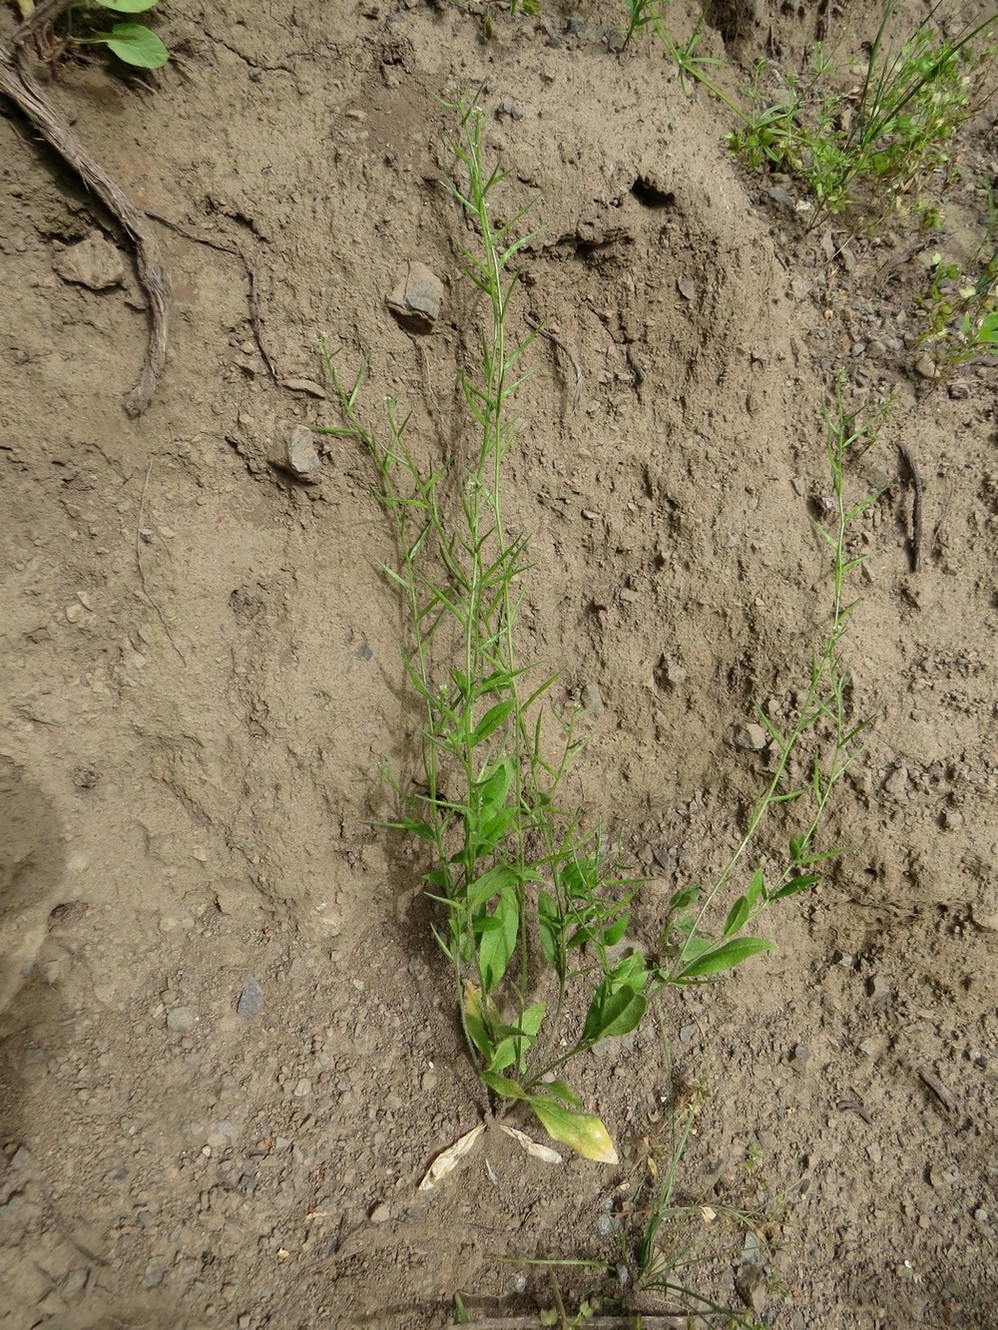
504, 1056
530, 1021
461, 1316
480, 892
628, 972
737, 917
493, 787
685, 897
415, 826
478, 1034
724, 957
757, 887
126, 6
581, 1132
795, 885
549, 928
492, 720
616, 931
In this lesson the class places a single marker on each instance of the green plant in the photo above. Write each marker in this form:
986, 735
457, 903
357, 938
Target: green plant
133, 43
514, 875
873, 146
877, 145
488, 11
666, 1240
961, 312
691, 66
535, 908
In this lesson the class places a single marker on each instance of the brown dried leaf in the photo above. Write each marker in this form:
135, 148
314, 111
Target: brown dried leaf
448, 1159
544, 1152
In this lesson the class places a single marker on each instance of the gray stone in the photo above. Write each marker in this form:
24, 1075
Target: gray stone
21, 1157
592, 699
93, 262
750, 1281
752, 737
302, 386
984, 910
250, 1002
417, 298
180, 1019
301, 458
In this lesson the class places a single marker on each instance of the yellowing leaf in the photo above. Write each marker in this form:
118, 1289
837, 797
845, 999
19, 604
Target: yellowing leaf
477, 1006
532, 1147
448, 1159
581, 1132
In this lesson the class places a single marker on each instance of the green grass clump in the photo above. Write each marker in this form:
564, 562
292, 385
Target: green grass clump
534, 909
879, 146
882, 145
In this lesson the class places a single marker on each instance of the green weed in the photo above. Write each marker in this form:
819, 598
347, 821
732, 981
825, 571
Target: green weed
877, 145
534, 908
519, 882
961, 312
692, 67
133, 43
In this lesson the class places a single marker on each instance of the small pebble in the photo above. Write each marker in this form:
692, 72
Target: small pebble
180, 1019
592, 699
380, 1214
250, 1002
21, 1157
751, 737
301, 458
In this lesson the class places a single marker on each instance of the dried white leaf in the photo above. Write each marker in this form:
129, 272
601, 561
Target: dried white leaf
448, 1159
707, 1214
532, 1148
490, 1173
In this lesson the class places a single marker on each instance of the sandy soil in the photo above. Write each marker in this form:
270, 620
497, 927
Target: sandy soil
202, 681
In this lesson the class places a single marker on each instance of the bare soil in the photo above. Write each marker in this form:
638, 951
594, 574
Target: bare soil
202, 682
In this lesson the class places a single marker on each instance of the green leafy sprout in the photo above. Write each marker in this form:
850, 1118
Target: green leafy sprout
535, 908
132, 43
